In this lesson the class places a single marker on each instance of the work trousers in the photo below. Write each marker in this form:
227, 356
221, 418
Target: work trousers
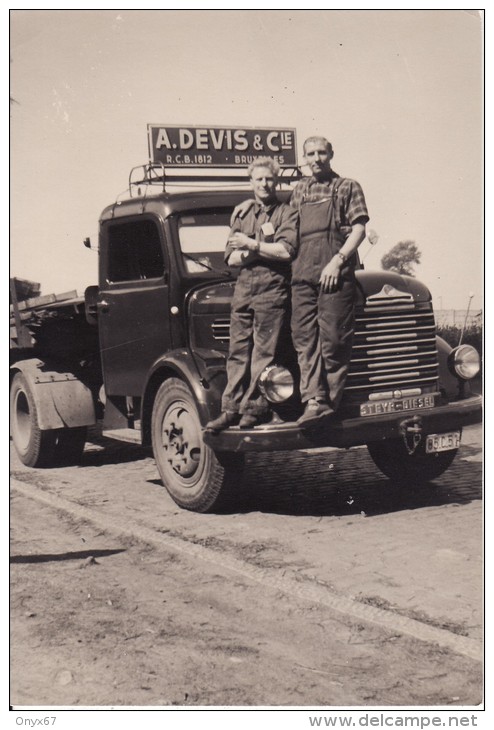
322, 332
259, 310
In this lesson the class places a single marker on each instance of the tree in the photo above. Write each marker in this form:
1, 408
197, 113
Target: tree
402, 258
25, 289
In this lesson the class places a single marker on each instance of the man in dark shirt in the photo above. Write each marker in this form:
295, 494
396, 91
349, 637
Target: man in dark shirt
262, 244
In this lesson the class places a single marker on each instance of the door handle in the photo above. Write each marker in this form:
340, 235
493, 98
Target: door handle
103, 306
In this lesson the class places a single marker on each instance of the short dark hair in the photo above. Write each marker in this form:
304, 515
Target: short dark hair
318, 138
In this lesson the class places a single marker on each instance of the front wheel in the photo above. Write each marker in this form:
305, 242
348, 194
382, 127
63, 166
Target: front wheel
394, 460
195, 476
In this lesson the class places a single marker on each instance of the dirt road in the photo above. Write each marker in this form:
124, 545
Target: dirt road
328, 588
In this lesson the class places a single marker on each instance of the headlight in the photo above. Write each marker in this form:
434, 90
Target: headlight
464, 362
276, 384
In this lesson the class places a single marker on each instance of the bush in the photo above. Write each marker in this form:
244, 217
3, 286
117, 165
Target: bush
471, 336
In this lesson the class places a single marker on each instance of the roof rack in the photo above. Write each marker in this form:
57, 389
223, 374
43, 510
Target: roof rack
155, 173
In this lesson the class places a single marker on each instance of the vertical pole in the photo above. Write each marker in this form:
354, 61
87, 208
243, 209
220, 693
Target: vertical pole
470, 297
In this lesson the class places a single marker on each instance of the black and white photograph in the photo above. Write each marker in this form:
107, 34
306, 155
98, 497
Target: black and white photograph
246, 298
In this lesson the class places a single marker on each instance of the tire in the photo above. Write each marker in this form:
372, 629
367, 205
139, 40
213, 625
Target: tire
37, 448
34, 446
195, 476
393, 459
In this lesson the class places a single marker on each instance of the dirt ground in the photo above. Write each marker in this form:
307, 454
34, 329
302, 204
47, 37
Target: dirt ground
100, 619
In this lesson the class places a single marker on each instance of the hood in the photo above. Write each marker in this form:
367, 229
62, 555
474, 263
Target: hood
212, 299
215, 299
388, 285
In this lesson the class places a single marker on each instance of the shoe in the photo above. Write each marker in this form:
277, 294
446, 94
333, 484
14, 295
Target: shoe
314, 412
225, 419
248, 421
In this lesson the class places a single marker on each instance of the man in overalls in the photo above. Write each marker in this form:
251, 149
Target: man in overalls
262, 243
333, 215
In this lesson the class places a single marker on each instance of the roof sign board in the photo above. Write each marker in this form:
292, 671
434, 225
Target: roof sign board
176, 146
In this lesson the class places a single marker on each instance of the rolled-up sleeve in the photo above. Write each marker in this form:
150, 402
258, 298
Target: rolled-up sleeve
355, 207
234, 229
287, 229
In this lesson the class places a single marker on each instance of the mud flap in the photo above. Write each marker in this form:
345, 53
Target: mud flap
62, 400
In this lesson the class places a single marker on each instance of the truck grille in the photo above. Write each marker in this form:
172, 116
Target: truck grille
393, 349
221, 330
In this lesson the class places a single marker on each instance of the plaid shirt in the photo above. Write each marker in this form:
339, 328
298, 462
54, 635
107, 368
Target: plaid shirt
351, 206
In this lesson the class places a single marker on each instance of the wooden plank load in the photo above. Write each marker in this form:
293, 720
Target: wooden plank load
52, 326
28, 315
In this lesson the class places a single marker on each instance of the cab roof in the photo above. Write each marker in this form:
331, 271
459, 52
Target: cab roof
165, 204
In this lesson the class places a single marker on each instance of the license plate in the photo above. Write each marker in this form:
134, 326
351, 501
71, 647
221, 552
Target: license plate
437, 442
379, 407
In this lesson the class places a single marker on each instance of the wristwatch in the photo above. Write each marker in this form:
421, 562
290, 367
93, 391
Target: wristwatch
342, 256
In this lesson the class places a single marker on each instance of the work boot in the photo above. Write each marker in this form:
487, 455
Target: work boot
248, 421
315, 411
225, 419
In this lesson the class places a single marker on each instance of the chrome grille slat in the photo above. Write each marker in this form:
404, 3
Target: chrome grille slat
385, 378
398, 383
389, 316
398, 330
398, 323
393, 363
382, 338
393, 312
397, 370
396, 308
415, 344
388, 354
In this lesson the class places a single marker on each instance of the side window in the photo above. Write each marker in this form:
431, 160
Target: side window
134, 251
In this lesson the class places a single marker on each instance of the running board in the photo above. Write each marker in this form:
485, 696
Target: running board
129, 435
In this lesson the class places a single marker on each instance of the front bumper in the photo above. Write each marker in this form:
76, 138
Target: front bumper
346, 432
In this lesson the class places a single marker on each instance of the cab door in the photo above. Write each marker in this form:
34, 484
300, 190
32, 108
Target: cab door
133, 303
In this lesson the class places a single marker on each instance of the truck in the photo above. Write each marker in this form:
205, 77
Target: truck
144, 352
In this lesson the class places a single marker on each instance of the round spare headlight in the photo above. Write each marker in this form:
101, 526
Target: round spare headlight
276, 383
464, 362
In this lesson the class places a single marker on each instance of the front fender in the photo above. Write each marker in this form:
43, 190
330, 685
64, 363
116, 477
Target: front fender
62, 400
206, 384
453, 387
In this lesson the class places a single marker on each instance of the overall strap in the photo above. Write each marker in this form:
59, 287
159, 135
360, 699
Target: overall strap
336, 208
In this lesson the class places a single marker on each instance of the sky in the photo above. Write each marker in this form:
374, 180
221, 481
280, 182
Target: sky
398, 92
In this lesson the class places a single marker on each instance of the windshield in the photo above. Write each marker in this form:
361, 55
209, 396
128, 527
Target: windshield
203, 238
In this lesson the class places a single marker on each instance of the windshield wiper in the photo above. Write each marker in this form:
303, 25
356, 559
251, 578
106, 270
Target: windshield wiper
223, 272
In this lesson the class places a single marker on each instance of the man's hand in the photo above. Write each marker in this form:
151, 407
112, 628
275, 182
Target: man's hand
240, 258
330, 275
239, 241
241, 210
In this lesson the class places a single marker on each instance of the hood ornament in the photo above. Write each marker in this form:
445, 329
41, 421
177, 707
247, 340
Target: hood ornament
389, 292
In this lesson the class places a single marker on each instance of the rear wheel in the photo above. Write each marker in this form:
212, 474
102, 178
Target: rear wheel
394, 460
195, 476
36, 447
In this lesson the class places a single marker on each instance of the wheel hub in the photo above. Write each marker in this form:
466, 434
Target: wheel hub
181, 441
